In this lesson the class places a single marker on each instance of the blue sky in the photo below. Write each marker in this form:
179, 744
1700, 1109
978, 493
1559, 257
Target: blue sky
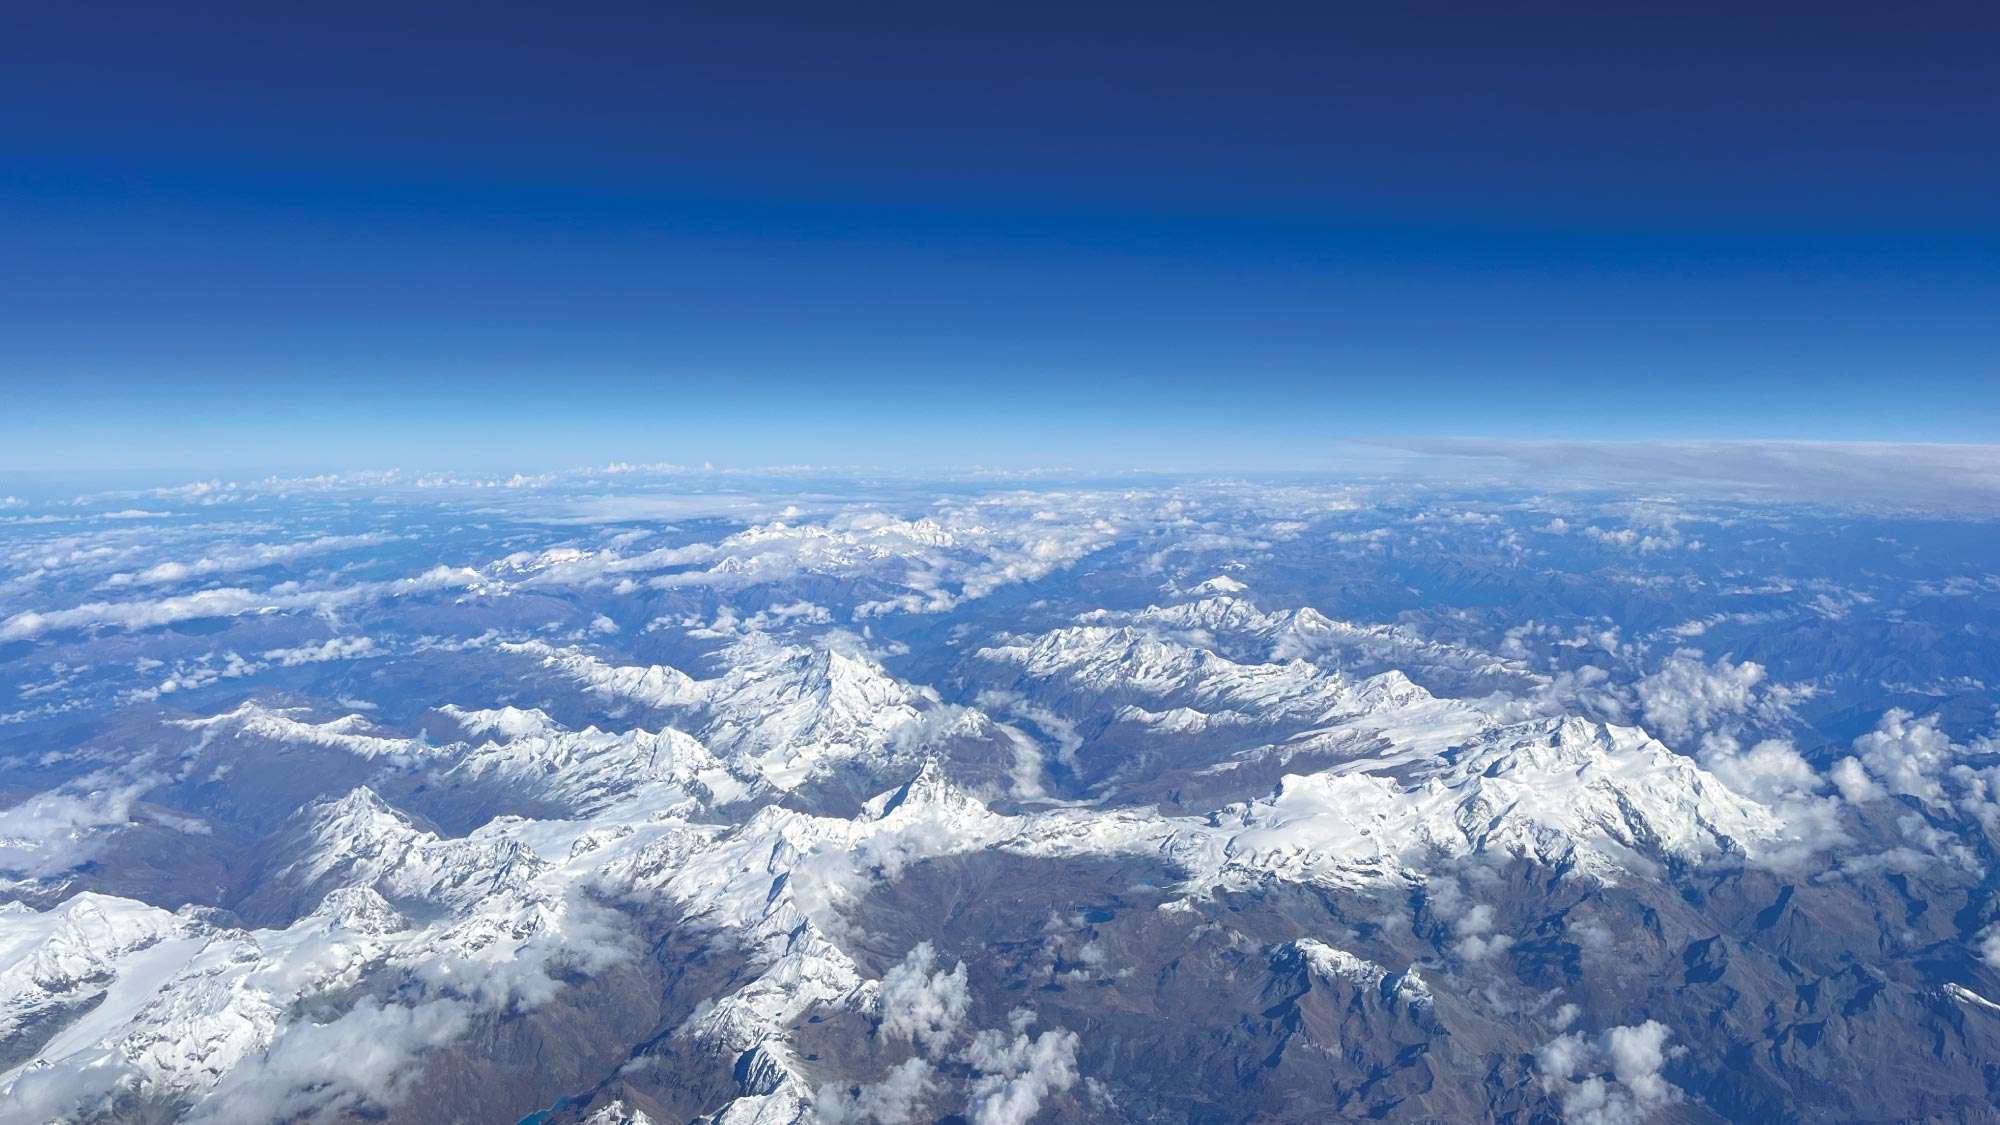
501, 236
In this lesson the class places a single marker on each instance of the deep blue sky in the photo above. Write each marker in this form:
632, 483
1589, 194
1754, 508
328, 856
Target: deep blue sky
504, 235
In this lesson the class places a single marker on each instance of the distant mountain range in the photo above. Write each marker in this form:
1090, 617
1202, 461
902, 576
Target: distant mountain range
669, 797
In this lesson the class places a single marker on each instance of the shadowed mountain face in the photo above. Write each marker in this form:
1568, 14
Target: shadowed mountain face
669, 798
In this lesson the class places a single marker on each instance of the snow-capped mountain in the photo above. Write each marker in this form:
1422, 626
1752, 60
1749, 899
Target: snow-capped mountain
1091, 806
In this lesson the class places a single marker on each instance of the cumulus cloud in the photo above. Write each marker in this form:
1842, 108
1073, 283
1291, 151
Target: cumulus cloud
333, 648
949, 554
1477, 941
1476, 948
1686, 695
1017, 1075
56, 831
66, 1092
1908, 756
1905, 754
895, 1100
250, 557
228, 601
198, 672
1989, 945
729, 622
521, 971
1770, 771
1851, 778
1631, 539
921, 1005
315, 1072
1471, 923
1774, 774
1612, 1079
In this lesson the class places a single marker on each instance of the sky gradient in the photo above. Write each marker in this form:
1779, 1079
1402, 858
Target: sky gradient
509, 236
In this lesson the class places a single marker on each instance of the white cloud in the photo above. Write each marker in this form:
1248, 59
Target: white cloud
56, 831
228, 601
1481, 948
1907, 755
1630, 539
1637, 1054
320, 1072
920, 1005
1774, 774
950, 553
1474, 928
252, 557
1771, 771
333, 648
1989, 945
1574, 1068
1018, 1075
1952, 478
1915, 757
1852, 779
1686, 696
64, 1093
1478, 920
895, 1100
197, 672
